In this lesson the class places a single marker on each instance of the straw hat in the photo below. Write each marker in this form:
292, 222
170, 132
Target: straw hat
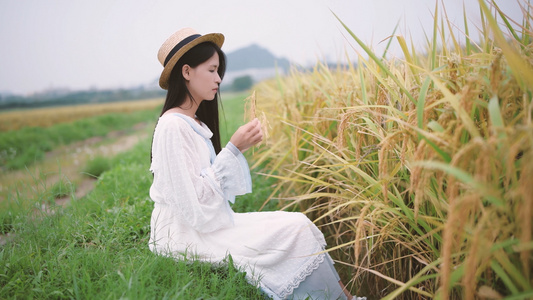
179, 43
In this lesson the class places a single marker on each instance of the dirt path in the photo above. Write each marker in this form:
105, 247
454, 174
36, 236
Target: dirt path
65, 163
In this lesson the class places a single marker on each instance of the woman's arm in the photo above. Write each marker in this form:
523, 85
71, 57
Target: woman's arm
201, 194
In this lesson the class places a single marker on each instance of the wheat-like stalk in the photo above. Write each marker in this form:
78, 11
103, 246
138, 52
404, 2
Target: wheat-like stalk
418, 170
250, 113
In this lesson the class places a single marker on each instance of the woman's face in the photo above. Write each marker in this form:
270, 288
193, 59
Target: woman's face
203, 80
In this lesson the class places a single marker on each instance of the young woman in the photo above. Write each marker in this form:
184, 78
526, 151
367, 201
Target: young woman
195, 180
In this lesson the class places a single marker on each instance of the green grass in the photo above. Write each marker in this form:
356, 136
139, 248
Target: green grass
97, 165
62, 188
23, 147
97, 247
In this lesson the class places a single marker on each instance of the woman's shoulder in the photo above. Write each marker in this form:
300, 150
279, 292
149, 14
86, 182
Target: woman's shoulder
186, 123
170, 122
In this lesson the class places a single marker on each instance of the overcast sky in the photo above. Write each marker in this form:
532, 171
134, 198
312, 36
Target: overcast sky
113, 43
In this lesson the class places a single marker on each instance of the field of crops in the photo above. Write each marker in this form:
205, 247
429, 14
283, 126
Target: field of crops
419, 170
44, 117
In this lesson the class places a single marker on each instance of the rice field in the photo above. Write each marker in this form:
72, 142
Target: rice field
48, 116
419, 170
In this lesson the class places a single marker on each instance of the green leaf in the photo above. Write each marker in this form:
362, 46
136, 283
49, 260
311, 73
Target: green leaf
464, 177
496, 117
435, 126
377, 60
500, 272
421, 103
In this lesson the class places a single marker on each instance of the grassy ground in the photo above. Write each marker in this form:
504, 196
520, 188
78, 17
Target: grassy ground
25, 146
96, 247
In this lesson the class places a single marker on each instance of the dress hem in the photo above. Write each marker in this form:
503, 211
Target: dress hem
289, 290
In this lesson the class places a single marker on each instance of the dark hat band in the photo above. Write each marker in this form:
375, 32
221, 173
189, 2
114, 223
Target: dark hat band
180, 45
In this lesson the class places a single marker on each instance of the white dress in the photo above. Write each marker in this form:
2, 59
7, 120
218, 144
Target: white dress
192, 217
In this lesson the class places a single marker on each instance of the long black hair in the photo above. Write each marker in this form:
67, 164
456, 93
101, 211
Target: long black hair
177, 90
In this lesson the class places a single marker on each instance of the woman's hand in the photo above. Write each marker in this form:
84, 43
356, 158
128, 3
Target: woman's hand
247, 135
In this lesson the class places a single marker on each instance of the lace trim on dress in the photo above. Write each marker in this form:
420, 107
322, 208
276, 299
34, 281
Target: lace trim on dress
295, 283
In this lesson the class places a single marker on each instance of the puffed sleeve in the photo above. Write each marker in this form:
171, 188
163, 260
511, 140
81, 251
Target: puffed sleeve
201, 195
232, 172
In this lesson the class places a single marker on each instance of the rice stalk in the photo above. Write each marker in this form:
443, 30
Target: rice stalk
250, 114
417, 170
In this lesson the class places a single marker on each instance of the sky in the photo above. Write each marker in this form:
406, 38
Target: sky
75, 44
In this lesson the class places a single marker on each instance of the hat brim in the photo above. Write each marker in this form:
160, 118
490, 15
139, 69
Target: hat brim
216, 38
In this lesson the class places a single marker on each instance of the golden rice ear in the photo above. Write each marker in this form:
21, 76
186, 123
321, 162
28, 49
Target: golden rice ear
264, 126
250, 114
249, 108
